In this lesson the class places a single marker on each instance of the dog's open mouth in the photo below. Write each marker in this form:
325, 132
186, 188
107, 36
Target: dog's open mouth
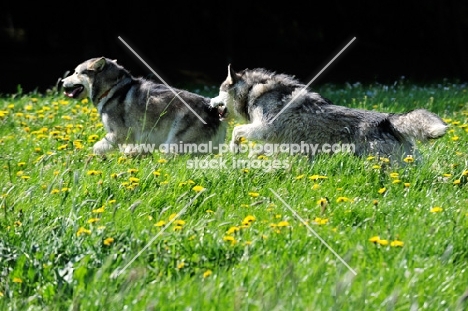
73, 91
222, 111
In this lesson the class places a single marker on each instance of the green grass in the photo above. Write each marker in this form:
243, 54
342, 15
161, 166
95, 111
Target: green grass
83, 232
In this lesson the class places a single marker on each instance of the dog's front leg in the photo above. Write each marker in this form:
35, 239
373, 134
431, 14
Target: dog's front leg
248, 131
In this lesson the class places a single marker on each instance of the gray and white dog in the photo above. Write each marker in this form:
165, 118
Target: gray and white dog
261, 97
138, 111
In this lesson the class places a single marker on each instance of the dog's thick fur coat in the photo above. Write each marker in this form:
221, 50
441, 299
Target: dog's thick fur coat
259, 96
139, 111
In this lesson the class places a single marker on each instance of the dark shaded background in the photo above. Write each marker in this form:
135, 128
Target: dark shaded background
192, 42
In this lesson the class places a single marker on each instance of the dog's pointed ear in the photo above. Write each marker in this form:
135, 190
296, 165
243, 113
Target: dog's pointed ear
232, 76
98, 64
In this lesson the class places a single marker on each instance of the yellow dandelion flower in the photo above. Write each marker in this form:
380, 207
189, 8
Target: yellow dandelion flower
316, 177
374, 239
447, 175
77, 144
383, 242
436, 209
283, 223
409, 159
179, 222
209, 211
18, 223
108, 241
172, 216
407, 184
342, 199
177, 228
465, 173
376, 167
396, 243
229, 238
181, 265
457, 182
54, 191
315, 186
244, 205
300, 177
232, 230
370, 158
98, 210
93, 220
254, 194
181, 184
21, 164
156, 173
322, 201
396, 181
62, 147
17, 280
262, 157
162, 161
25, 177
455, 138
249, 219
93, 173
394, 175
160, 223
198, 188
382, 190
83, 230
207, 273
245, 170
384, 160
92, 138
132, 171
134, 179
321, 221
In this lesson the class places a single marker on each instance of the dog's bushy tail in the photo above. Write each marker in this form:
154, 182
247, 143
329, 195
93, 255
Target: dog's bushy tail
419, 124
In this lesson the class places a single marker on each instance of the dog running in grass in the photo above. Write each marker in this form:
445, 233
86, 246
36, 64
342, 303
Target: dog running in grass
259, 96
137, 111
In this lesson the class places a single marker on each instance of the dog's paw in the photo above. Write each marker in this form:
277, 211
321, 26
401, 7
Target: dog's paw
102, 147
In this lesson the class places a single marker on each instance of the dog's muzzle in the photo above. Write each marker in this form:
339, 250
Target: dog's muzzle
222, 112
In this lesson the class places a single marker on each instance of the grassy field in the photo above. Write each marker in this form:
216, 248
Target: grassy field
83, 232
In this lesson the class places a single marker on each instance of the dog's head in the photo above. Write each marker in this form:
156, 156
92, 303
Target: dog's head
91, 78
233, 93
